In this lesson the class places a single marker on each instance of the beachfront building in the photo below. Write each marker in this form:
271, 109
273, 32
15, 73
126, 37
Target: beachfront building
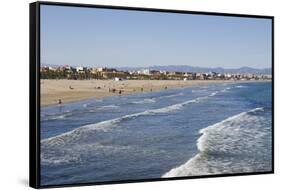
144, 72
81, 70
113, 73
267, 77
100, 69
189, 76
105, 69
228, 76
52, 69
155, 72
93, 70
175, 75
44, 69
209, 76
164, 72
200, 76
68, 72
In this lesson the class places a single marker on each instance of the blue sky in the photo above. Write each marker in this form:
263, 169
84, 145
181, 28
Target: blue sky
121, 38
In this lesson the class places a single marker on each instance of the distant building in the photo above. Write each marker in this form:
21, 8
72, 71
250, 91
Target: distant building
200, 76
52, 69
100, 69
144, 72
189, 76
81, 69
104, 69
164, 72
228, 76
93, 70
154, 72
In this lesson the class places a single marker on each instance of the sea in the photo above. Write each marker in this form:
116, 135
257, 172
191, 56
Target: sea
213, 129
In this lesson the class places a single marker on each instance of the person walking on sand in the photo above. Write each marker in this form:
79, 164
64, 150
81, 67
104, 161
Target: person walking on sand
59, 102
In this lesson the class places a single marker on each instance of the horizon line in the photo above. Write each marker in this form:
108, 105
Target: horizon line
98, 66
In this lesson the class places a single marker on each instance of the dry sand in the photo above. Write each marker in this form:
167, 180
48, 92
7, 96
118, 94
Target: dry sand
76, 90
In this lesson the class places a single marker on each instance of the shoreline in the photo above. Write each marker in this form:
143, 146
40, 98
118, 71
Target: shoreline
69, 91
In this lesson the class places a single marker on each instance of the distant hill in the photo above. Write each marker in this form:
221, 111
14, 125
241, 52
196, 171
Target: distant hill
186, 68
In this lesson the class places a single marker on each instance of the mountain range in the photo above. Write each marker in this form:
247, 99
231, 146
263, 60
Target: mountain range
187, 68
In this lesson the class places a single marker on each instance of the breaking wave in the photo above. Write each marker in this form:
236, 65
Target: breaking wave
241, 143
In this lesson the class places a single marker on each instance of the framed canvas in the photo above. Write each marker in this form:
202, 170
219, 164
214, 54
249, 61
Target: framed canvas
126, 94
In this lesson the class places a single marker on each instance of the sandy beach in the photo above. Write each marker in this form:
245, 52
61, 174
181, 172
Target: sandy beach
76, 90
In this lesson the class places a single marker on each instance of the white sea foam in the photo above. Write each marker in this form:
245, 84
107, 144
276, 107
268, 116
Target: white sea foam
174, 107
153, 100
104, 108
145, 101
171, 96
240, 86
57, 116
199, 90
108, 107
214, 93
226, 89
240, 143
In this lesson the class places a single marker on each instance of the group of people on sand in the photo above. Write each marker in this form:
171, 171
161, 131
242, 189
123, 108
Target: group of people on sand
109, 89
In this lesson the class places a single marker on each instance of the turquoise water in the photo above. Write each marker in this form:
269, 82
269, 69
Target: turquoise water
214, 129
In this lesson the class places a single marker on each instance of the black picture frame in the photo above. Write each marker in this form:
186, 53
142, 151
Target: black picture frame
34, 90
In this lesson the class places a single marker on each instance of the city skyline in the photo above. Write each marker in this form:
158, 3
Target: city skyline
119, 38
